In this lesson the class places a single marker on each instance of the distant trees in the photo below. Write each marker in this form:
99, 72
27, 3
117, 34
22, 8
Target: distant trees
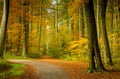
3, 28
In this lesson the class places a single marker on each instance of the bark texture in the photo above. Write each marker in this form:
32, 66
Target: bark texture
4, 26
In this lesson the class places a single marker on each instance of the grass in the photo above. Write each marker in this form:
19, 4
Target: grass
10, 69
16, 69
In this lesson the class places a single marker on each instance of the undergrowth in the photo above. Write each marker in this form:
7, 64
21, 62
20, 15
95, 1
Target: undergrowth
10, 69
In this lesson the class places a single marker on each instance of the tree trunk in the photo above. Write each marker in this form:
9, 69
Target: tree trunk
112, 13
97, 16
119, 20
56, 17
40, 25
72, 30
90, 37
25, 3
30, 19
19, 35
93, 40
6, 42
81, 22
4, 26
56, 21
107, 54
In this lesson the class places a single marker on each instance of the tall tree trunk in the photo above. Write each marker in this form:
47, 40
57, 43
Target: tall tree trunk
111, 7
90, 37
40, 25
6, 42
69, 24
56, 17
25, 4
19, 41
117, 24
97, 16
76, 26
30, 21
19, 35
119, 19
4, 26
30, 18
81, 22
107, 54
56, 20
72, 30
69, 27
119, 8
93, 40
112, 13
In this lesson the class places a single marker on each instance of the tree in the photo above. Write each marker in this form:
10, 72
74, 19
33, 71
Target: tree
103, 6
94, 52
40, 24
81, 22
97, 15
111, 14
25, 27
56, 18
66, 16
4, 26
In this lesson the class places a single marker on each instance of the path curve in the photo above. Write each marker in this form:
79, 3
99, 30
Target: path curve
45, 70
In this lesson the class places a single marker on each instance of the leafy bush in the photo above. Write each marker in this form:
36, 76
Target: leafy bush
76, 49
3, 65
11, 69
56, 51
34, 55
12, 55
16, 69
114, 46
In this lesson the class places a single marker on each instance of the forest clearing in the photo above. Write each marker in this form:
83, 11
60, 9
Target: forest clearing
59, 39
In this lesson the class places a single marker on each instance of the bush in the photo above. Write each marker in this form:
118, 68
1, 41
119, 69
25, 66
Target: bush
4, 65
34, 55
12, 55
10, 69
56, 51
76, 50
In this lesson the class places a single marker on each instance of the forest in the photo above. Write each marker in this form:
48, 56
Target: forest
60, 32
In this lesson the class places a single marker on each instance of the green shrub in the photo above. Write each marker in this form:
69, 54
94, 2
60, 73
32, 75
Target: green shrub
12, 55
16, 69
34, 55
76, 50
56, 51
4, 65
10, 69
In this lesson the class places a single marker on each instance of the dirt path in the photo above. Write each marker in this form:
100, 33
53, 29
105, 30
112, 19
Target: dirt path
45, 70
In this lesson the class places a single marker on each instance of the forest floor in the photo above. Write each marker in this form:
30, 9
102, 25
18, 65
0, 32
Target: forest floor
49, 68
